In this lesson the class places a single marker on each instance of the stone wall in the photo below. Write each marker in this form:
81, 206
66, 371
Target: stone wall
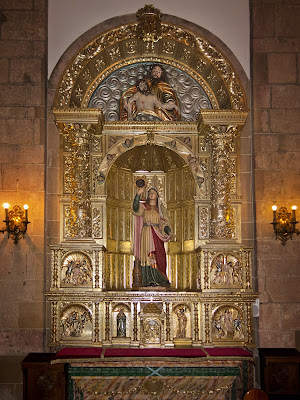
276, 101
23, 33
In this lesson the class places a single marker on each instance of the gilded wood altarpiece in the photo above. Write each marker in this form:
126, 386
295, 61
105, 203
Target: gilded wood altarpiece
193, 162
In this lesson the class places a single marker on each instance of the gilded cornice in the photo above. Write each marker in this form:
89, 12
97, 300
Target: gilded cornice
147, 127
221, 117
83, 116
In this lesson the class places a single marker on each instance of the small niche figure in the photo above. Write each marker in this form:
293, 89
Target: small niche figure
182, 322
121, 324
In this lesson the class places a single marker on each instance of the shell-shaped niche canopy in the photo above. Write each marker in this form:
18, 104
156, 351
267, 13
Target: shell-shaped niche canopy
121, 86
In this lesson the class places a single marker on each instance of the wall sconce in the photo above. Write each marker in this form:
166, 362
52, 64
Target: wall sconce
16, 222
284, 223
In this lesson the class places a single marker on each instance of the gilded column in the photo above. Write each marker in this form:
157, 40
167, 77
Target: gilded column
78, 215
54, 338
220, 129
107, 321
196, 322
135, 322
249, 323
81, 130
168, 325
221, 139
207, 325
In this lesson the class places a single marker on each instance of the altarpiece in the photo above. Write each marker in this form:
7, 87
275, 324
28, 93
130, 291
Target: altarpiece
155, 103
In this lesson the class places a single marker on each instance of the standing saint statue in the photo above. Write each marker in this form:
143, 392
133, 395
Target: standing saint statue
152, 229
121, 324
182, 322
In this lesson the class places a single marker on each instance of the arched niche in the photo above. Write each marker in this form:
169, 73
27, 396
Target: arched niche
146, 151
165, 170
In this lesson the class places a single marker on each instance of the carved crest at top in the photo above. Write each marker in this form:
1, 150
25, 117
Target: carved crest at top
149, 24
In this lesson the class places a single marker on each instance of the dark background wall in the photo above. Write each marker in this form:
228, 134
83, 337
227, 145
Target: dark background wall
23, 40
276, 102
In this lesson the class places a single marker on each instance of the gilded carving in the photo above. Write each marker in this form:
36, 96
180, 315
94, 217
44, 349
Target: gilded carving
79, 93
99, 64
151, 331
186, 55
107, 320
193, 164
201, 65
182, 328
203, 223
68, 173
75, 322
114, 53
221, 138
174, 86
149, 24
172, 35
168, 324
87, 76
76, 270
96, 161
247, 257
226, 270
78, 214
135, 324
207, 323
131, 47
206, 267
212, 78
149, 47
97, 222
196, 322
249, 324
226, 72
227, 324
97, 323
54, 322
168, 47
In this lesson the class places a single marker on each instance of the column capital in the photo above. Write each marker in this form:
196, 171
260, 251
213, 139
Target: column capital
68, 116
209, 119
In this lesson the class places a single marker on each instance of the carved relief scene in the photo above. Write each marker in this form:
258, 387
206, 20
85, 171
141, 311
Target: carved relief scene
75, 323
76, 271
150, 206
226, 271
228, 324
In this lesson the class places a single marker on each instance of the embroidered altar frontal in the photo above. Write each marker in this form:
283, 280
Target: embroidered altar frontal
133, 374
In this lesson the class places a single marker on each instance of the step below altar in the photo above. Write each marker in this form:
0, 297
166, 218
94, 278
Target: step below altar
151, 318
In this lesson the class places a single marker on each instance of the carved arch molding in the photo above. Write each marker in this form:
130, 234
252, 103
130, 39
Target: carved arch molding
91, 269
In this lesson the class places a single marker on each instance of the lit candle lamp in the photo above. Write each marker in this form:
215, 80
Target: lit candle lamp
26, 211
294, 208
274, 208
6, 206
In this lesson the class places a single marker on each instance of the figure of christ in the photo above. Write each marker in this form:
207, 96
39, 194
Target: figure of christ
152, 230
167, 108
143, 103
